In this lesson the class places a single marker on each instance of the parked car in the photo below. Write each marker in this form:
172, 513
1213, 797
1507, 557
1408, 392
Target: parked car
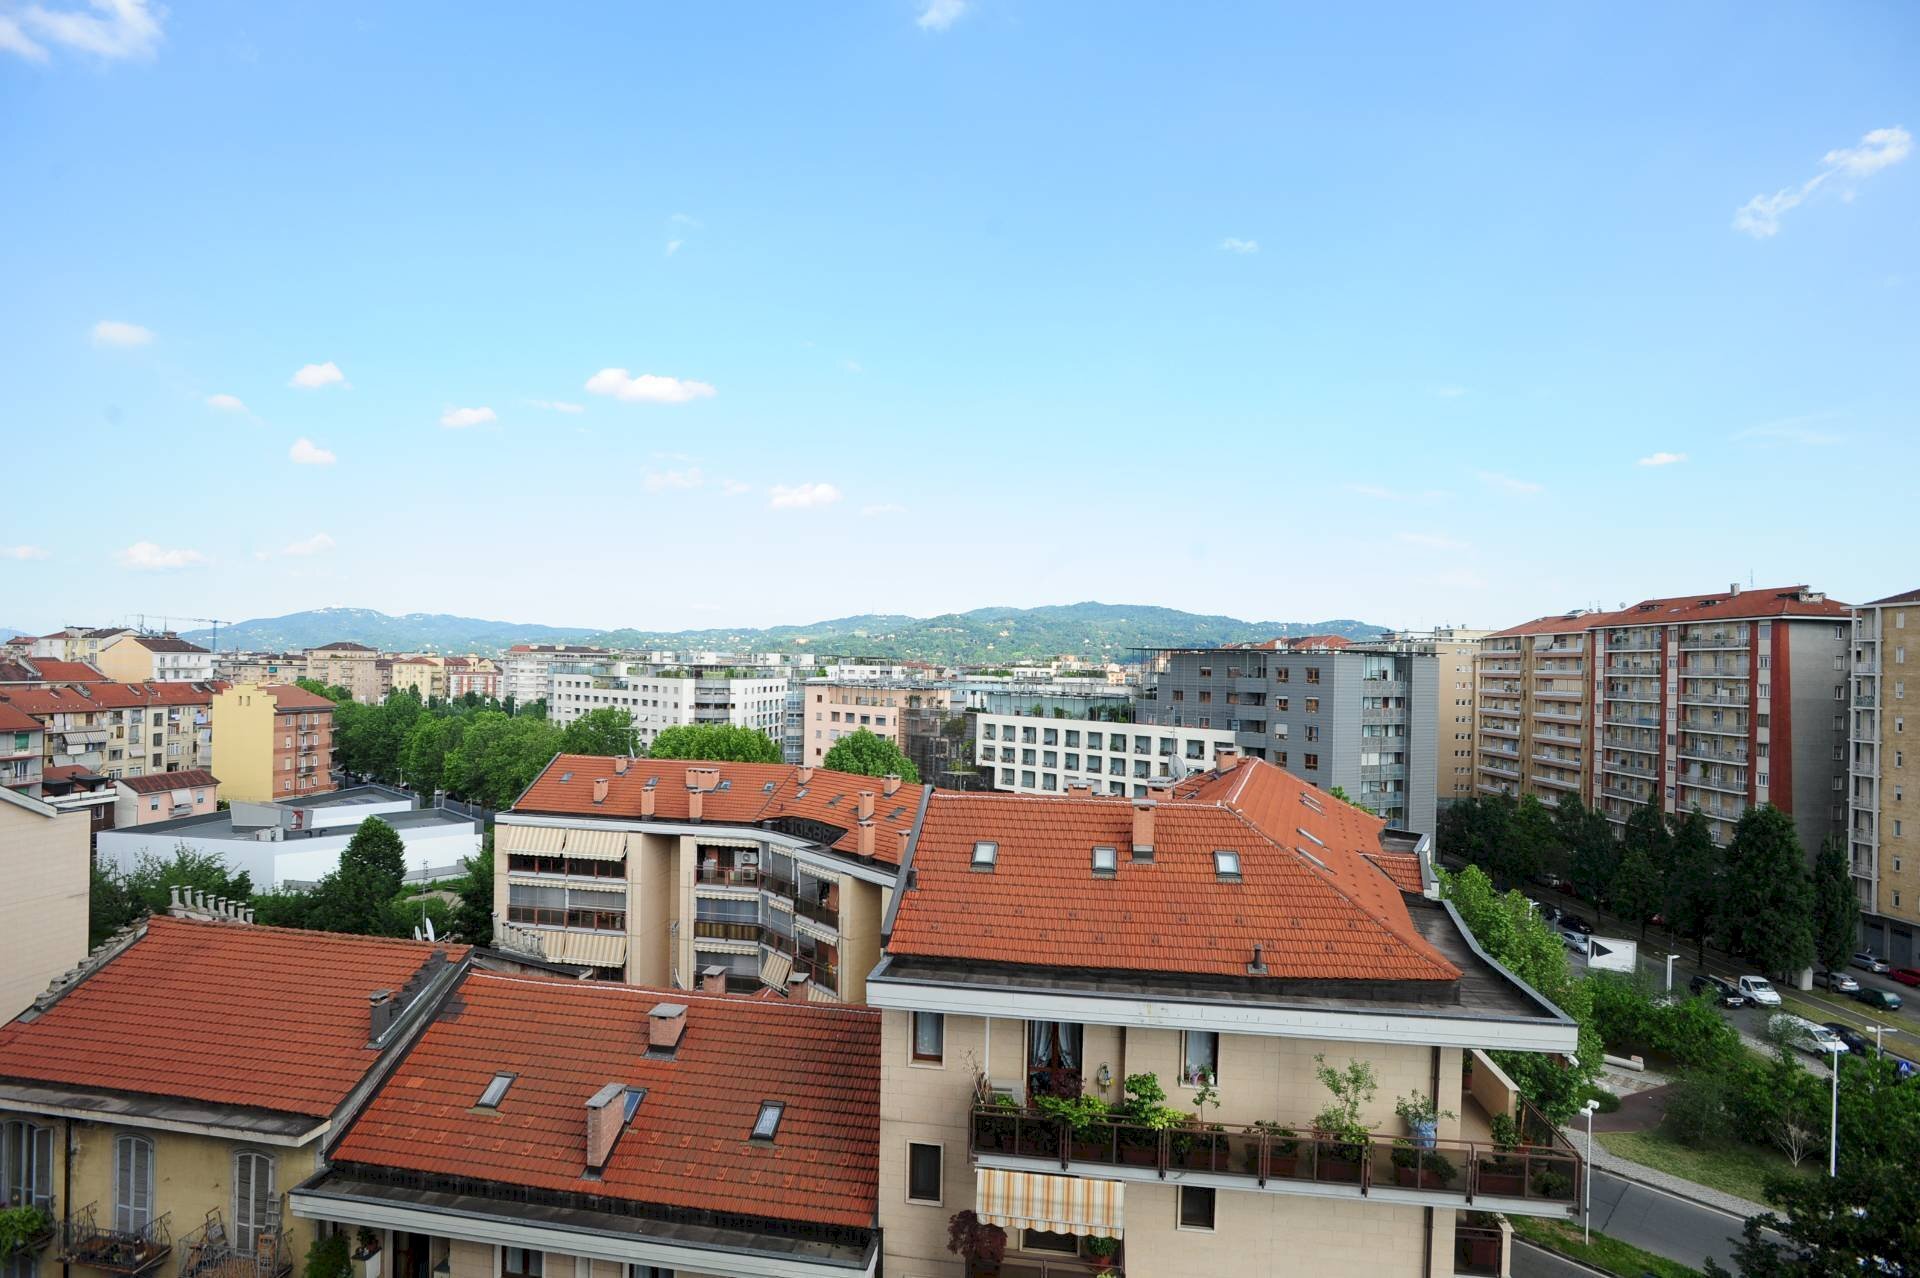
1905, 975
1867, 960
1574, 923
1720, 991
1575, 941
1881, 1000
1759, 991
1856, 1041
1809, 1037
1838, 982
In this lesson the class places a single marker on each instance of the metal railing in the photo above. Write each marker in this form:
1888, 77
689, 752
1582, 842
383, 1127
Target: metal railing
208, 1252
114, 1251
818, 911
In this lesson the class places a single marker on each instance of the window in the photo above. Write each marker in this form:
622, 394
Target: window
1041, 1240
1196, 1207
929, 1037
496, 1090
520, 1262
1199, 1057
1313, 705
1105, 862
1226, 865
132, 1184
26, 1165
768, 1121
1051, 1046
984, 855
252, 1192
1311, 762
923, 1173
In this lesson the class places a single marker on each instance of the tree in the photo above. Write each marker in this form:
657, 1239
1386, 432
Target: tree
1529, 835
331, 691
715, 742
1595, 853
1636, 888
1693, 880
608, 730
1340, 792
424, 756
1864, 1221
109, 908
472, 920
356, 895
1767, 899
498, 756
868, 755
1836, 910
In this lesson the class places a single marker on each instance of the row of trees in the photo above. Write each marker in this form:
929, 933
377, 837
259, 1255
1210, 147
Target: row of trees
1758, 898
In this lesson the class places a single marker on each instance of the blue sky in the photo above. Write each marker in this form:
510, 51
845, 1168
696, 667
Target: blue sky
782, 312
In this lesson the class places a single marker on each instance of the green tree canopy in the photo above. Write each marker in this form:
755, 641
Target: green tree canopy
472, 920
720, 742
608, 730
864, 753
146, 889
1865, 1221
356, 895
1836, 910
1694, 872
1767, 898
498, 756
1636, 887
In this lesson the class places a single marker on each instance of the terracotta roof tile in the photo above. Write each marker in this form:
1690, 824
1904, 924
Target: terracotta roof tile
14, 719
161, 782
1767, 601
1911, 596
282, 1012
109, 696
687, 1144
287, 696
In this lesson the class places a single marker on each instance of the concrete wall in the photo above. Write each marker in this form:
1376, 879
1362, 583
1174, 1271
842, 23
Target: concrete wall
301, 860
44, 861
1814, 648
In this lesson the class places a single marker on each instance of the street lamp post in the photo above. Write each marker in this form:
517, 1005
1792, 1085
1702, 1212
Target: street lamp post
1586, 1204
1670, 959
1833, 1128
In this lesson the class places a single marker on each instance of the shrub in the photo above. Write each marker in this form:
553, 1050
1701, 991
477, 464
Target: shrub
1697, 1109
20, 1226
328, 1258
972, 1239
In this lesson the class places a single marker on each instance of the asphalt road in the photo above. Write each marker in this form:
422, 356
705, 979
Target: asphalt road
1663, 1223
1528, 1261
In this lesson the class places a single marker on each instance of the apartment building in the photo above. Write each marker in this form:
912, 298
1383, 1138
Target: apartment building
1360, 716
661, 697
1030, 754
161, 1103
43, 916
164, 796
1215, 944
836, 709
275, 742
261, 667
23, 745
78, 643
139, 658
116, 730
654, 871
359, 669
1720, 701
1456, 704
527, 669
1882, 840
475, 675
425, 677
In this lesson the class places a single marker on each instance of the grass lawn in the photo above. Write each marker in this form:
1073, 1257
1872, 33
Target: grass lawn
1732, 1168
1605, 1253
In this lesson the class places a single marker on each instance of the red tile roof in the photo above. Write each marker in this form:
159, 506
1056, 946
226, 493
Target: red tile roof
13, 719
831, 798
289, 697
161, 782
165, 643
222, 1013
1306, 895
1565, 623
48, 670
1768, 601
1911, 596
687, 1145
70, 699
343, 646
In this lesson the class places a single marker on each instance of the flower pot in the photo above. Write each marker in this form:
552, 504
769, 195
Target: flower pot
1344, 1171
1139, 1155
1503, 1181
1283, 1166
1413, 1178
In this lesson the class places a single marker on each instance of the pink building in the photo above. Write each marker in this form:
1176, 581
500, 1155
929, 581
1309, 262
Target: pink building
163, 796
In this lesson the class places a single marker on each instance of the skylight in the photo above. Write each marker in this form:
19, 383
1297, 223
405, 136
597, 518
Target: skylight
985, 854
1105, 862
1309, 836
768, 1121
1226, 865
632, 1102
726, 784
1311, 802
767, 788
496, 1091
566, 776
1311, 857
834, 802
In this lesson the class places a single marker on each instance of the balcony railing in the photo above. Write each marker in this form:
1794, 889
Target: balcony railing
1528, 1179
818, 911
208, 1252
730, 876
83, 1242
1715, 641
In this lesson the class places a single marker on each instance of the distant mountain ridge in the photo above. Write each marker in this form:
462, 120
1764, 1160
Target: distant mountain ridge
1091, 630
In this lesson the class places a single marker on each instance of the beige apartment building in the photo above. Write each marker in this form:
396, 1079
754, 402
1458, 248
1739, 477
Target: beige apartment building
78, 643
835, 710
22, 751
1881, 835
656, 872
1533, 735
426, 676
1457, 702
359, 669
46, 855
275, 743
155, 658
116, 730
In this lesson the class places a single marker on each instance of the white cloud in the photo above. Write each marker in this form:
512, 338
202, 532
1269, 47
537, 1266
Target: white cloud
23, 552
662, 480
938, 15
115, 29
120, 333
1879, 149
1661, 459
318, 544
1374, 491
1432, 541
853, 366
227, 404
314, 376
1494, 479
734, 488
1232, 245
682, 219
307, 453
802, 496
459, 418
673, 246
1449, 392
884, 508
646, 388
1791, 430
147, 557
557, 405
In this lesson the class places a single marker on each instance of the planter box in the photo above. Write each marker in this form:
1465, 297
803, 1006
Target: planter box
1139, 1156
1340, 1170
1512, 1184
1414, 1178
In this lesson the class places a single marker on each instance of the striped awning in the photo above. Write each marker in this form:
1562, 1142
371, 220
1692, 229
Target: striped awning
775, 968
531, 838
1056, 1204
595, 949
597, 845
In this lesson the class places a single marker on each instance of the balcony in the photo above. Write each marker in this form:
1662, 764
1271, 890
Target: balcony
1561, 714
1724, 785
1712, 753
824, 912
1527, 1180
1715, 729
1512, 774
1620, 719
1556, 782
1736, 640
712, 875
1624, 768
113, 1251
1502, 730
1614, 741
1559, 694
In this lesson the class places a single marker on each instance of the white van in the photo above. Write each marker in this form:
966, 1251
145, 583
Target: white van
1808, 1036
1759, 991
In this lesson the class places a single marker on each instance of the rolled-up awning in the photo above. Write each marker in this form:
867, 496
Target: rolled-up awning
594, 949
597, 845
775, 968
1056, 1204
530, 838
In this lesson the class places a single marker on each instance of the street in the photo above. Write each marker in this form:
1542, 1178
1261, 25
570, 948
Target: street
1648, 1218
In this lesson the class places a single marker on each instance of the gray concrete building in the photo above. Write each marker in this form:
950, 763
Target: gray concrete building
1358, 716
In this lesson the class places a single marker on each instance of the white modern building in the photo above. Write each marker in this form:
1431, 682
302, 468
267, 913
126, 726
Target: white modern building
1029, 754
664, 697
526, 671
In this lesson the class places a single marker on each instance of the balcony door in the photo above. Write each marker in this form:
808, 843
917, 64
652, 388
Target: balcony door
1053, 1058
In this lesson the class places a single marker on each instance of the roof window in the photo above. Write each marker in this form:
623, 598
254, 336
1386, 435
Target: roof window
1309, 836
652, 782
1106, 861
1311, 802
631, 1102
834, 802
496, 1091
768, 1120
566, 776
985, 854
1311, 857
767, 788
1226, 865
725, 784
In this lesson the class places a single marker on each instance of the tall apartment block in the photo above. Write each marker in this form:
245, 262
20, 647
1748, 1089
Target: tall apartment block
1358, 716
661, 697
1456, 704
1721, 702
1880, 833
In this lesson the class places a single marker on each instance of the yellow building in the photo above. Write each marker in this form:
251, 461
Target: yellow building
427, 676
155, 659
195, 1069
43, 915
275, 741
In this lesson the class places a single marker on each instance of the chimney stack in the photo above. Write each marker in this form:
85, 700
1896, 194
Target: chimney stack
646, 803
381, 1012
1079, 789
905, 837
604, 1120
703, 778
599, 789
865, 832
1226, 758
1143, 829
890, 784
665, 1024
797, 986
1733, 588
713, 980
620, 766
696, 803
865, 808
806, 775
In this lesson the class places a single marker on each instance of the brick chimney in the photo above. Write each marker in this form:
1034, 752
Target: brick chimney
865, 809
646, 802
713, 980
805, 775
797, 986
665, 1024
702, 778
620, 766
605, 1118
1143, 829
865, 834
382, 1009
599, 789
696, 802
905, 837
1079, 789
1227, 758
890, 784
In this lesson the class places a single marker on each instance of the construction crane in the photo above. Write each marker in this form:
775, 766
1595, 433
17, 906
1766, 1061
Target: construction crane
168, 620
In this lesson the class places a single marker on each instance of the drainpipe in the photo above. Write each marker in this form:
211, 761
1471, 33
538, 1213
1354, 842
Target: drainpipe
1435, 1071
66, 1191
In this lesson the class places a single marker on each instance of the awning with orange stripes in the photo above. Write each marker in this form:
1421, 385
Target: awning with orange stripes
1056, 1204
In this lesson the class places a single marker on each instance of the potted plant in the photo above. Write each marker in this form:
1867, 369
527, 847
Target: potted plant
23, 1229
1343, 1138
1552, 1183
995, 1128
1087, 1123
981, 1245
1147, 1115
1283, 1149
1422, 1117
1420, 1168
1503, 1173
1101, 1248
